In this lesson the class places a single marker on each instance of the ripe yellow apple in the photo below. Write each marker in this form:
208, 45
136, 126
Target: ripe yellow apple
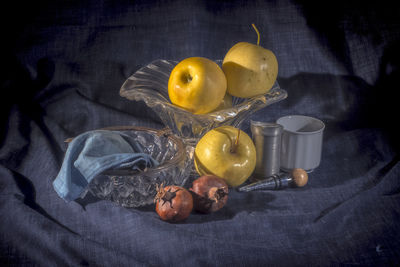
226, 152
250, 70
197, 84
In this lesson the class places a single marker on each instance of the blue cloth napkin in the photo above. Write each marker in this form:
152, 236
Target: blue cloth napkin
91, 153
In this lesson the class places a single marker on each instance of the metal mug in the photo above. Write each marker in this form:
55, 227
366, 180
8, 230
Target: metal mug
301, 142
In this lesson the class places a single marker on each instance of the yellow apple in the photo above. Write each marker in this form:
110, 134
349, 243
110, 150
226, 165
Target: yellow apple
250, 70
226, 152
197, 84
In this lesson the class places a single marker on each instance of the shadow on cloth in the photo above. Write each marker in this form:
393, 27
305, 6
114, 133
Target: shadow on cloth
237, 203
28, 197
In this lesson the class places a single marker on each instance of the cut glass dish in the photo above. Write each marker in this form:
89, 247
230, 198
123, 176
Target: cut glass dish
130, 188
150, 84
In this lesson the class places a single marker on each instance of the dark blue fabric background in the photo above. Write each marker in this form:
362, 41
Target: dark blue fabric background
65, 62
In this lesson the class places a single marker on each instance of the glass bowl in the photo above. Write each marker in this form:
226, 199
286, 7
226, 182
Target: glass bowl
150, 84
130, 188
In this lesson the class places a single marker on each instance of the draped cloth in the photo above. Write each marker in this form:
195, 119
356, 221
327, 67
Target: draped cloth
65, 63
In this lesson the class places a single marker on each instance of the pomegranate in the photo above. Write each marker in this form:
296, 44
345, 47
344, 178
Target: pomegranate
210, 193
173, 203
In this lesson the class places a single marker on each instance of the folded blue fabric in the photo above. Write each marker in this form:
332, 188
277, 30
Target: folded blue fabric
91, 153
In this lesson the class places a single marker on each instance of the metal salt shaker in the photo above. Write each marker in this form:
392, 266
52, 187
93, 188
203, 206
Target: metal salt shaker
267, 140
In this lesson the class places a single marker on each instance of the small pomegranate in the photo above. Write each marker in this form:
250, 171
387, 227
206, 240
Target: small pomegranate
173, 203
210, 193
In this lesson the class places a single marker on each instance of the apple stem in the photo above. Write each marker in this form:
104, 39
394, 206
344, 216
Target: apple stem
258, 33
236, 144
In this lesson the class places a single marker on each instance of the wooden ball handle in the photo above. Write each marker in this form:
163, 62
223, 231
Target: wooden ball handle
299, 177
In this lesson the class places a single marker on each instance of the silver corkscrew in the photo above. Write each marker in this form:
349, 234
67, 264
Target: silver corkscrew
296, 178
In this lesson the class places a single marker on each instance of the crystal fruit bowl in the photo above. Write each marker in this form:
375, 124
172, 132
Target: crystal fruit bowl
150, 84
130, 188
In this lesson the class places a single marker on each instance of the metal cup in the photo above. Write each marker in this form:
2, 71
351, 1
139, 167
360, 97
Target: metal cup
301, 142
267, 140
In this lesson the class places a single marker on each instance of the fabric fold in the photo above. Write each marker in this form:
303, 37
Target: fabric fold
94, 152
